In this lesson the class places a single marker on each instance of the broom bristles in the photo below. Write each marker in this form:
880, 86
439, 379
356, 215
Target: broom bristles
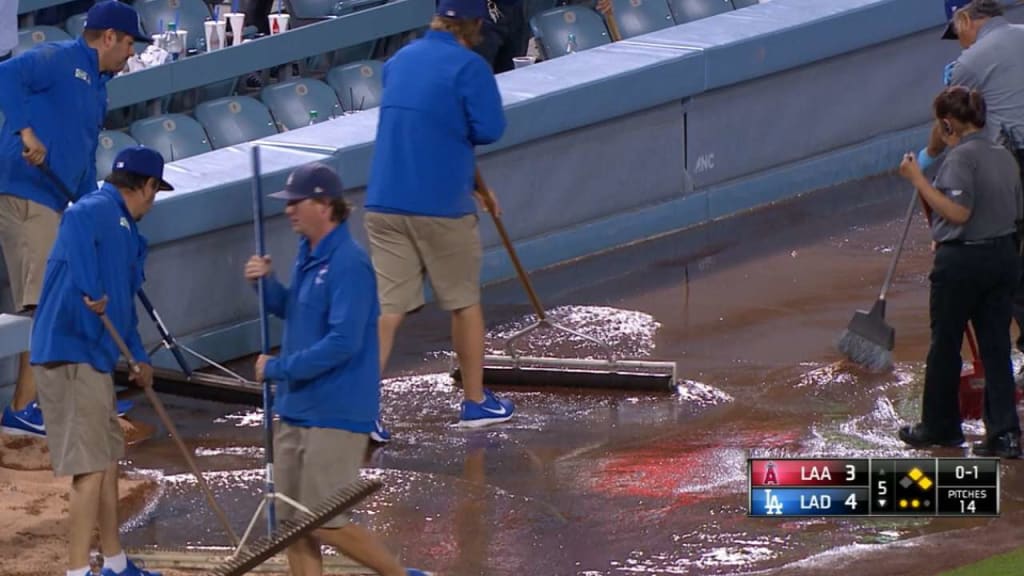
864, 352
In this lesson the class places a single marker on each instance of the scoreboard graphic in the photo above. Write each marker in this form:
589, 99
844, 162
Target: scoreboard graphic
787, 487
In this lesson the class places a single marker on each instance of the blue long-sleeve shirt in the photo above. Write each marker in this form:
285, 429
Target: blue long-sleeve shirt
57, 89
98, 252
328, 371
440, 100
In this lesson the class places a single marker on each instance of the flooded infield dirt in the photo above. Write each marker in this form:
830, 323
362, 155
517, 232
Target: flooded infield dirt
602, 483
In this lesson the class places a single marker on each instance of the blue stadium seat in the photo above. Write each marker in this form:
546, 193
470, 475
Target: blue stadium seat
291, 102
111, 142
190, 16
75, 24
358, 85
175, 136
552, 29
29, 37
636, 17
690, 10
234, 120
737, 4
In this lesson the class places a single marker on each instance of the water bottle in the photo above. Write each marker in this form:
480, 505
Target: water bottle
570, 46
312, 117
172, 41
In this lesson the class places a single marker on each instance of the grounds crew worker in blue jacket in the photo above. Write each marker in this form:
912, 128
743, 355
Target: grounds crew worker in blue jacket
440, 100
54, 99
96, 267
328, 379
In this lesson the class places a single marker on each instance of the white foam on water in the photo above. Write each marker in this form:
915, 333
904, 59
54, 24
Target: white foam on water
693, 392
243, 419
629, 333
248, 451
438, 383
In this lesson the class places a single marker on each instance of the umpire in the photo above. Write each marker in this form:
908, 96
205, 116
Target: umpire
976, 199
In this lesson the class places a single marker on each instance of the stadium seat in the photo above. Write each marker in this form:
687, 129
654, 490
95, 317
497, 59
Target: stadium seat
552, 29
291, 102
310, 9
690, 10
75, 24
29, 37
175, 136
737, 4
234, 120
358, 85
190, 15
636, 17
110, 143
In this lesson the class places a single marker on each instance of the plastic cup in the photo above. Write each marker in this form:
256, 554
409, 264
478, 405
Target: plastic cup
237, 20
523, 61
278, 23
210, 28
222, 33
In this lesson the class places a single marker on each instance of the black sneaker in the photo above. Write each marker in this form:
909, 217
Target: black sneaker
1006, 445
919, 436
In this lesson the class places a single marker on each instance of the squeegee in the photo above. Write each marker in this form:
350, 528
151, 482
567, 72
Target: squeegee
609, 372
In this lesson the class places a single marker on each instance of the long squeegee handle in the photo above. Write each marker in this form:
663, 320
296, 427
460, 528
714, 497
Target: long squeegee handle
482, 188
899, 247
165, 334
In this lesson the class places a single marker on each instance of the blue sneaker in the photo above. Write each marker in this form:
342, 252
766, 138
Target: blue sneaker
131, 570
379, 434
123, 406
27, 422
492, 410
415, 572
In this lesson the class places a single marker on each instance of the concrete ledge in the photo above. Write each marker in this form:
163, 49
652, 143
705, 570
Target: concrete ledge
15, 334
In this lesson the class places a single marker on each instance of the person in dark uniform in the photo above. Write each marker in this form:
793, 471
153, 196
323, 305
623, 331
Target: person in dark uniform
975, 201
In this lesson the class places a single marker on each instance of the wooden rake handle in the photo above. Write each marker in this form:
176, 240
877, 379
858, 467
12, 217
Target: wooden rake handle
485, 193
166, 419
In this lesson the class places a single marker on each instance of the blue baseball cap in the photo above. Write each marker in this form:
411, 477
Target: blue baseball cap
114, 15
462, 9
314, 180
143, 161
977, 9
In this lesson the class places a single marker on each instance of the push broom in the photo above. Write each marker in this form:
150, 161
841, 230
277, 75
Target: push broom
512, 369
868, 340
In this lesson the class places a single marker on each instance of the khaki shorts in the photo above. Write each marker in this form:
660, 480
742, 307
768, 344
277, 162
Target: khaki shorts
403, 248
80, 411
27, 233
313, 464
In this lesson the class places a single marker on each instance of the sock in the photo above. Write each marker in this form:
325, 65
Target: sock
117, 563
79, 572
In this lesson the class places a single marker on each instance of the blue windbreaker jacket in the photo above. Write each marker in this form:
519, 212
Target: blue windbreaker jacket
440, 100
98, 252
56, 89
328, 373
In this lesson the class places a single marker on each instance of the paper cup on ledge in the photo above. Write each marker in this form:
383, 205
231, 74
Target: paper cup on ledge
210, 29
222, 34
278, 23
183, 42
523, 61
237, 20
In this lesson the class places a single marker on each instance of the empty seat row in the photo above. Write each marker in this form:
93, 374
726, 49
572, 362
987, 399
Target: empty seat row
552, 28
236, 119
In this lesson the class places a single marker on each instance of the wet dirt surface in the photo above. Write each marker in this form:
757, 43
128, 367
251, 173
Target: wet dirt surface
602, 483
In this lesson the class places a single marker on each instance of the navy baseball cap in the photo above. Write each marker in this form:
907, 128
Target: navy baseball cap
143, 161
114, 15
462, 9
976, 9
314, 180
